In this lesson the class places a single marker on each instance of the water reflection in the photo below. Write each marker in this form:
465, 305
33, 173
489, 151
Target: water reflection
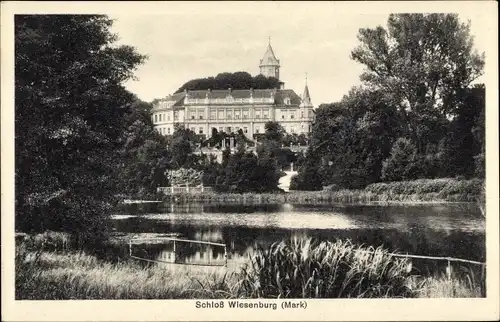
455, 230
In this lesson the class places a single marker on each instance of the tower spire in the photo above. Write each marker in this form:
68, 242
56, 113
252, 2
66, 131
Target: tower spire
306, 97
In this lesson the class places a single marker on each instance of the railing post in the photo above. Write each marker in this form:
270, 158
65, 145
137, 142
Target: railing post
448, 270
130, 247
225, 256
175, 254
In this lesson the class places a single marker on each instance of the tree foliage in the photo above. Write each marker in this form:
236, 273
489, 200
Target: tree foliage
69, 118
423, 62
416, 114
237, 80
144, 156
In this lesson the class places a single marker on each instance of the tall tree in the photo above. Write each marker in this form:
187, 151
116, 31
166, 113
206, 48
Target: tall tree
69, 109
422, 62
144, 157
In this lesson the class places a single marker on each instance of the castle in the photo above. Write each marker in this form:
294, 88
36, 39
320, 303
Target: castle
231, 110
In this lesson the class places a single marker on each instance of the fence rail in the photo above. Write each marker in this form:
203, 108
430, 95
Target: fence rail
187, 189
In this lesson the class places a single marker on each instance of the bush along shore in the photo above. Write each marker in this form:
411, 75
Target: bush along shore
415, 191
294, 269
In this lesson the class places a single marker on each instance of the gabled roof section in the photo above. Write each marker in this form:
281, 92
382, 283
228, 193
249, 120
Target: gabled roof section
269, 58
176, 100
282, 94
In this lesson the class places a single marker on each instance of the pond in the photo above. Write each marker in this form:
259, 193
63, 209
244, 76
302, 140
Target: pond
454, 230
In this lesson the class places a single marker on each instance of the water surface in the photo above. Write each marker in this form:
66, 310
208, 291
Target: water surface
455, 230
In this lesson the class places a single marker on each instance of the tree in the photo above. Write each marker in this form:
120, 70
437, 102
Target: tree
69, 117
422, 62
144, 156
402, 164
274, 131
351, 138
181, 147
237, 80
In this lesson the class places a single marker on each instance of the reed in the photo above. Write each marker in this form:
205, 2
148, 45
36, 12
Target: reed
305, 269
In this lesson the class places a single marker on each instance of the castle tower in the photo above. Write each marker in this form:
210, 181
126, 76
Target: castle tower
269, 64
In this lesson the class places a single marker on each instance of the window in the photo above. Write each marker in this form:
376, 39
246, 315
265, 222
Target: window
213, 115
220, 129
310, 113
237, 115
257, 130
229, 115
245, 114
282, 116
229, 129
192, 116
176, 116
265, 113
309, 127
245, 129
201, 117
257, 115
156, 118
201, 114
292, 115
200, 130
192, 129
220, 115
287, 100
292, 129
302, 128
168, 130
168, 116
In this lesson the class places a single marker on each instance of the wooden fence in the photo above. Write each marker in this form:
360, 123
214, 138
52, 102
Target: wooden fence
181, 189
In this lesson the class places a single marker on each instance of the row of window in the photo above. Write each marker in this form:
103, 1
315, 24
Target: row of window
229, 129
162, 117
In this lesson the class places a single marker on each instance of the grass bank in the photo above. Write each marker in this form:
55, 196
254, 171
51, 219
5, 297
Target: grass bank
296, 269
415, 191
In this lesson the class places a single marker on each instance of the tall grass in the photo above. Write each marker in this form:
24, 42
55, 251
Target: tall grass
301, 268
53, 276
304, 269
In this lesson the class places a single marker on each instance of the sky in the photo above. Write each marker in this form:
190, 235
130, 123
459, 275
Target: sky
195, 40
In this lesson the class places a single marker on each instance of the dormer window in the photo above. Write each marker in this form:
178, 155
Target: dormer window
287, 100
229, 99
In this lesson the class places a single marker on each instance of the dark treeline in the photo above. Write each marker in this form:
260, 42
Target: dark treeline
237, 80
416, 114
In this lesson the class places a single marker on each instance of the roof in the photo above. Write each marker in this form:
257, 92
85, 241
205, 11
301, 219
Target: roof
279, 94
269, 57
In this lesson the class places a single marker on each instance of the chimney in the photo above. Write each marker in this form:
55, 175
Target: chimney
282, 85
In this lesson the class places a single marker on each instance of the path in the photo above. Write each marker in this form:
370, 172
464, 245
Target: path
284, 182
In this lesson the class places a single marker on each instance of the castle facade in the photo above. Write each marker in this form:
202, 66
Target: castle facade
231, 110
